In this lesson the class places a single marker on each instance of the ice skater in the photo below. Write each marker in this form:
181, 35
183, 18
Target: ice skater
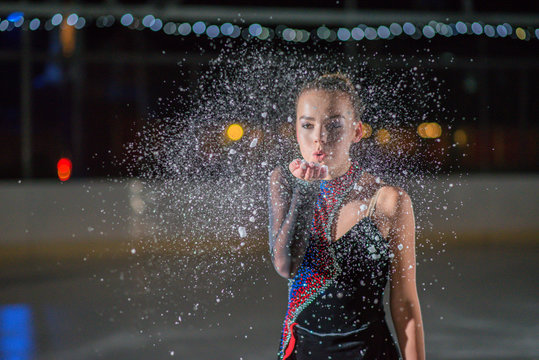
339, 234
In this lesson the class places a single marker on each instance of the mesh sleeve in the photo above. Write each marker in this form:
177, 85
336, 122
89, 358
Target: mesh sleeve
291, 204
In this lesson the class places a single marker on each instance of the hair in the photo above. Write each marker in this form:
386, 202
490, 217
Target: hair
336, 82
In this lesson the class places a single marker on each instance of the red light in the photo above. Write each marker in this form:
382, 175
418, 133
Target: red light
64, 169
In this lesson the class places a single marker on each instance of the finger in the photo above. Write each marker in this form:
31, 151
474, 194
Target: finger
309, 173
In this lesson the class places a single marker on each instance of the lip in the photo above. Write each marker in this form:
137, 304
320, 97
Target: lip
319, 155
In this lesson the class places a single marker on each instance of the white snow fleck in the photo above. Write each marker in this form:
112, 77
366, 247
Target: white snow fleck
371, 249
400, 247
377, 180
264, 114
252, 219
363, 207
133, 251
242, 231
253, 142
232, 152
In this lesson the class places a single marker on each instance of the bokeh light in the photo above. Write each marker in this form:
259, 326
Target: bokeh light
234, 132
64, 167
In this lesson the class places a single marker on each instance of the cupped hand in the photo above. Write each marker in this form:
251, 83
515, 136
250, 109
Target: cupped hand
308, 170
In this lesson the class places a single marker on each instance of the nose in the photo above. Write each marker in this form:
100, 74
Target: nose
320, 136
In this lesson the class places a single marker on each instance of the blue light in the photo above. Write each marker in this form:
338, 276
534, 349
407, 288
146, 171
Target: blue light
56, 19
461, 27
199, 27
502, 31
15, 16
148, 20
343, 34
537, 33
227, 29
80, 23
126, 19
489, 31
236, 32
289, 34
16, 332
428, 31
4, 25
477, 29
157, 25
357, 34
255, 30
169, 28
212, 31
408, 28
184, 29
383, 32
72, 19
395, 29
34, 24
323, 32
370, 33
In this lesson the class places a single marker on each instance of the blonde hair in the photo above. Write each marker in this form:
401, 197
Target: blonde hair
336, 82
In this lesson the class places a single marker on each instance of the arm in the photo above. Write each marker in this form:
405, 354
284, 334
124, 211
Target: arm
291, 207
404, 302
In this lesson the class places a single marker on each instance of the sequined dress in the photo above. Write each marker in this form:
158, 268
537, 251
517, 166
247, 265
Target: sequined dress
335, 298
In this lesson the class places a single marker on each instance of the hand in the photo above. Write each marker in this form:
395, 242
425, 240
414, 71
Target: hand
308, 170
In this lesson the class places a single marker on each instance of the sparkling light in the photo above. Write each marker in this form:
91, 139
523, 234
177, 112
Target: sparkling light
72, 19
126, 19
169, 28
64, 167
357, 33
521, 33
255, 29
477, 29
212, 31
323, 32
184, 29
383, 32
80, 23
234, 132
408, 28
199, 27
34, 24
343, 34
227, 29
157, 25
489, 30
395, 29
501, 30
56, 19
428, 31
370, 33
148, 20
461, 27
289, 34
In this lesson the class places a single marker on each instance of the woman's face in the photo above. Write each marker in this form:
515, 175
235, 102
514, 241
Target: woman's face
326, 127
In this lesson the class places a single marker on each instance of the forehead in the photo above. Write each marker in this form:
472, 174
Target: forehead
323, 100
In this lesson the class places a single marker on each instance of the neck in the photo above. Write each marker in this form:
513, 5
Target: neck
339, 171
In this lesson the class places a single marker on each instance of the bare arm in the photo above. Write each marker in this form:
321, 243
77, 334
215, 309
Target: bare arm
404, 301
291, 206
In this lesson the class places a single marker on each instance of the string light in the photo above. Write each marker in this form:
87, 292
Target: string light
344, 34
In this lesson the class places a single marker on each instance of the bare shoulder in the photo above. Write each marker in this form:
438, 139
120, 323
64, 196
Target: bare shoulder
392, 200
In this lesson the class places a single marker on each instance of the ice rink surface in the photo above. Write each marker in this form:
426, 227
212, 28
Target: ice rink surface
478, 302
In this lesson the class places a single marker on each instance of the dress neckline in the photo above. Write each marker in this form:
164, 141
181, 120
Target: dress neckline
353, 171
369, 218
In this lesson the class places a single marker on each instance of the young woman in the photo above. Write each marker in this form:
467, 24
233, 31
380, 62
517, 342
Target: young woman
338, 234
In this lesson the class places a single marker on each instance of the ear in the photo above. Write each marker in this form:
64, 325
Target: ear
358, 134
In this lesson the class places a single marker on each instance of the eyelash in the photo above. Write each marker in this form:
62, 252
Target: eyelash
333, 125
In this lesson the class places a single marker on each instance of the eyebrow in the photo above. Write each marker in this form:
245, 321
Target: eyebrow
312, 119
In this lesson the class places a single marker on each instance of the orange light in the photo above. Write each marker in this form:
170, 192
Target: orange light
64, 169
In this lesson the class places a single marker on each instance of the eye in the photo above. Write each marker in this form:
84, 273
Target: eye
334, 125
306, 126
